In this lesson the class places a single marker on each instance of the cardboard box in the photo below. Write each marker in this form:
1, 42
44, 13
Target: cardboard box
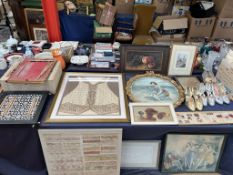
163, 6
223, 29
171, 24
105, 14
49, 85
178, 10
200, 27
124, 6
224, 8
143, 40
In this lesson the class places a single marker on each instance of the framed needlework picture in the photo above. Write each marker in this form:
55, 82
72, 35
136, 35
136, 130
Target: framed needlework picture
21, 107
90, 97
145, 58
182, 58
82, 151
152, 114
192, 153
140, 154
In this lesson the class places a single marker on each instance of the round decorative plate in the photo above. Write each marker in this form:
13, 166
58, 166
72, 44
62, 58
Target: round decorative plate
150, 88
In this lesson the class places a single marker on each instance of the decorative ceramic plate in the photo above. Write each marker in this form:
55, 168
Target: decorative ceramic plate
21, 107
79, 59
44, 55
14, 58
154, 88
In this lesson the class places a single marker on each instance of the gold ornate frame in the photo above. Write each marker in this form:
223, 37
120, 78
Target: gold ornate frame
173, 82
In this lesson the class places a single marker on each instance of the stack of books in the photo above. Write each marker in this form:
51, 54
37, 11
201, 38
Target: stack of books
102, 32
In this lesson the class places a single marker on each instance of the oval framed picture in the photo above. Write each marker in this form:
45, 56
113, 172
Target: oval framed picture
151, 88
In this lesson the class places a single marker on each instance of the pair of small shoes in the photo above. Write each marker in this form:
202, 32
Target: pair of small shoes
217, 94
197, 99
211, 99
204, 100
223, 93
189, 101
193, 99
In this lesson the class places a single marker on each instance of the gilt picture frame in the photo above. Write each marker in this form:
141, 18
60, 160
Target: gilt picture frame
154, 88
142, 58
90, 97
192, 153
182, 59
152, 114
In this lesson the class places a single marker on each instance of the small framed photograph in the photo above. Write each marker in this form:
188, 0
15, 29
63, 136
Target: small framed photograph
152, 114
145, 58
140, 154
100, 64
100, 97
192, 153
190, 81
182, 58
40, 34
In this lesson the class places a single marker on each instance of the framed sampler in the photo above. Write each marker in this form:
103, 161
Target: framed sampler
21, 107
145, 58
82, 151
90, 97
192, 153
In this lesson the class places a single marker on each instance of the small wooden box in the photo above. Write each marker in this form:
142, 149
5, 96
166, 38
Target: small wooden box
49, 85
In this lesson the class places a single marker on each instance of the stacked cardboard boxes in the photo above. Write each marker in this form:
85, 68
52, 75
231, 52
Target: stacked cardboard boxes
224, 24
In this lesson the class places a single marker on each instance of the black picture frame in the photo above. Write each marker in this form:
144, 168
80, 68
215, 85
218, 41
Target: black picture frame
176, 144
156, 58
39, 109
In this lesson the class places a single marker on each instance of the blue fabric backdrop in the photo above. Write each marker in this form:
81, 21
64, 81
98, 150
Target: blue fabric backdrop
76, 27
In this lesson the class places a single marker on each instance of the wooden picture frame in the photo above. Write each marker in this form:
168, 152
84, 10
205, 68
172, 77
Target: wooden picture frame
18, 113
90, 97
40, 33
82, 151
140, 154
142, 58
192, 153
152, 88
34, 17
152, 114
182, 59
